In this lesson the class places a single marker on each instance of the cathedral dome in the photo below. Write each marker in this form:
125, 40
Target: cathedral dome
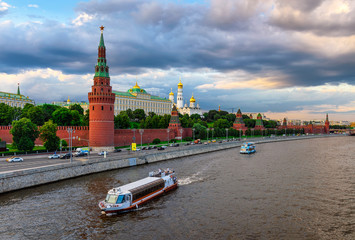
192, 99
180, 85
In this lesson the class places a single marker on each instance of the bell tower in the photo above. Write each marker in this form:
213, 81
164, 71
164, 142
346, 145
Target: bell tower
101, 104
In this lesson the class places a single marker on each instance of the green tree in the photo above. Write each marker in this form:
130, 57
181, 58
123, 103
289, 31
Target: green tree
5, 114
122, 121
86, 118
222, 123
25, 109
75, 118
62, 117
77, 107
200, 131
48, 110
24, 134
130, 114
139, 114
231, 117
36, 115
48, 134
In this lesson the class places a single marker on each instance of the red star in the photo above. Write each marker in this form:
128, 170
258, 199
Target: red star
102, 28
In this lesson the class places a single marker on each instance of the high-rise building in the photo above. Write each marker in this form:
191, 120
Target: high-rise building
101, 104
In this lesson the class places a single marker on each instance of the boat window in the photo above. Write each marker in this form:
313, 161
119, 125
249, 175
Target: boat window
111, 198
120, 199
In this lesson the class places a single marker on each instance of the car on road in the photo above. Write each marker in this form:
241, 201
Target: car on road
65, 156
80, 154
103, 153
160, 148
54, 156
15, 159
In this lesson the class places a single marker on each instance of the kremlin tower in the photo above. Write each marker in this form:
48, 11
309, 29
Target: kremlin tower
239, 122
174, 124
101, 104
180, 99
259, 123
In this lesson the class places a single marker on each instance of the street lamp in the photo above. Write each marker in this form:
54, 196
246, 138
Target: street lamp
70, 131
193, 134
141, 131
134, 135
168, 130
181, 130
227, 134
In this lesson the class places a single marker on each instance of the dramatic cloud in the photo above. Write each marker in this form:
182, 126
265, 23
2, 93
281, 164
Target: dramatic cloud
254, 52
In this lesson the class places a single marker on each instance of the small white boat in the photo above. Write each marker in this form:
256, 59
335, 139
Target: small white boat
247, 148
132, 195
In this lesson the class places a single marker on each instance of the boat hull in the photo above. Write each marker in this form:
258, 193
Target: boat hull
138, 203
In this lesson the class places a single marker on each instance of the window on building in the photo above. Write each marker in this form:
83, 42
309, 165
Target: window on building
93, 107
102, 107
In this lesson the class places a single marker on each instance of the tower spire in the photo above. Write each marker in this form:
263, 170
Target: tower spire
18, 89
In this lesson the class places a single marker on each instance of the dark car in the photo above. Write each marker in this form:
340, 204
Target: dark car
118, 150
161, 148
80, 154
65, 156
149, 148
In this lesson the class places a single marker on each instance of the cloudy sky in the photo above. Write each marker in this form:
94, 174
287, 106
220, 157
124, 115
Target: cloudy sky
293, 58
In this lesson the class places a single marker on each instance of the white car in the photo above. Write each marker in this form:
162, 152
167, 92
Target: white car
15, 159
103, 153
54, 156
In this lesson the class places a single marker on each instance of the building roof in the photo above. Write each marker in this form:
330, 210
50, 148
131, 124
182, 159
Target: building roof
133, 95
14, 96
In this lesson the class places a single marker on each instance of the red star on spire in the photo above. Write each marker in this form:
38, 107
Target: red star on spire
102, 28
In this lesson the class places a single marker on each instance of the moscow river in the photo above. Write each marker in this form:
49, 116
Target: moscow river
287, 190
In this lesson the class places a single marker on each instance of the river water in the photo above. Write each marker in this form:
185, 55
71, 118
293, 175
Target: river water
287, 190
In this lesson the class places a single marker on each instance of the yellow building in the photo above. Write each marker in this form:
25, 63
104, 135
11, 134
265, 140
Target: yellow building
138, 98
15, 100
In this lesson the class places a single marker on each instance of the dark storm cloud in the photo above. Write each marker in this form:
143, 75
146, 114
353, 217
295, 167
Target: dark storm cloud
224, 36
301, 15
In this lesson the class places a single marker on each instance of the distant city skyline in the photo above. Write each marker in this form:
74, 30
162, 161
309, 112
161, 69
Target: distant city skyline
292, 59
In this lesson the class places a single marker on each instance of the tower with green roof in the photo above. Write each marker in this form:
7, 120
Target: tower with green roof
259, 123
101, 100
239, 123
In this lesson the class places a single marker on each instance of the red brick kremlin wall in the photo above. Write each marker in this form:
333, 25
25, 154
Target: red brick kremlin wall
122, 137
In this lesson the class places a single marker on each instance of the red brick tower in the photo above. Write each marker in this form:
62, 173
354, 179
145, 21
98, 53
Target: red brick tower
174, 123
326, 125
101, 101
239, 123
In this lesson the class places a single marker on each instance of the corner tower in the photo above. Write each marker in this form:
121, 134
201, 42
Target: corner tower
101, 104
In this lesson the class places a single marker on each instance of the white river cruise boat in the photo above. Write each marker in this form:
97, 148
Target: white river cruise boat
247, 148
132, 195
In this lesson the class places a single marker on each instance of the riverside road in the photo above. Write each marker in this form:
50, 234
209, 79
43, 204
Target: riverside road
42, 160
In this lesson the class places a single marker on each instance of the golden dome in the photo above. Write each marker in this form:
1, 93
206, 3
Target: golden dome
136, 86
192, 99
171, 93
180, 85
68, 101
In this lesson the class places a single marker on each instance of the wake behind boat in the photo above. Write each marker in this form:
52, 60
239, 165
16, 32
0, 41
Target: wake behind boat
132, 195
247, 148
